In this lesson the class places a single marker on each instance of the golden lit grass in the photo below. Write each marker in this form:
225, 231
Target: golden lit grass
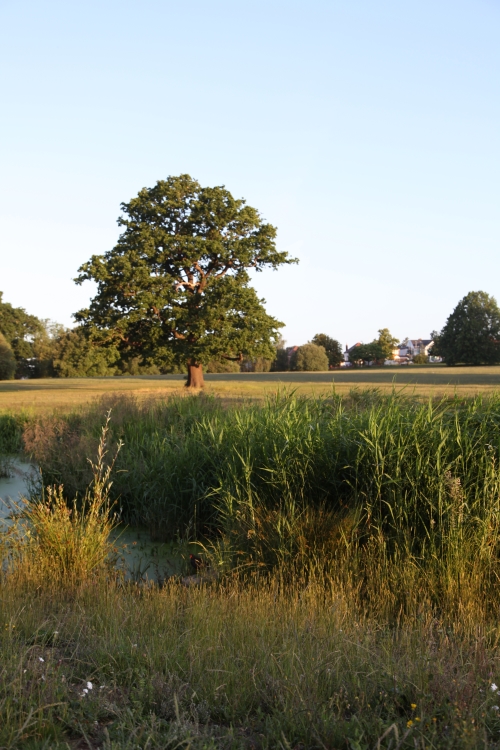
60, 395
240, 666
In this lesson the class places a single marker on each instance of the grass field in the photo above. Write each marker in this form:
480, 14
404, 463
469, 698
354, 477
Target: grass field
49, 394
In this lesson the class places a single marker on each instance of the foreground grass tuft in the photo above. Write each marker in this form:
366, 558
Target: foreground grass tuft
51, 542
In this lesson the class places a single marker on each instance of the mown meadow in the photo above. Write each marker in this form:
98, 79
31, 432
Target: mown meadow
353, 596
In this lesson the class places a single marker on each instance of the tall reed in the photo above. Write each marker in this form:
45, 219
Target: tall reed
367, 483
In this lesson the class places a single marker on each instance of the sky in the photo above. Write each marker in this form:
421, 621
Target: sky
366, 131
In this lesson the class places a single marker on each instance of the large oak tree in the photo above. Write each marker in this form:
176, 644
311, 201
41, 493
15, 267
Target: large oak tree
175, 288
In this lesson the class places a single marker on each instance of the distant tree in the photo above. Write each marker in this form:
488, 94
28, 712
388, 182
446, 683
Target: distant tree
281, 361
436, 339
7, 360
310, 357
331, 346
257, 364
421, 359
365, 353
471, 334
75, 355
19, 329
45, 345
222, 365
387, 343
175, 288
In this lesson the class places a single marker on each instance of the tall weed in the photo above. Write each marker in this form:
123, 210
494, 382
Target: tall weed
64, 545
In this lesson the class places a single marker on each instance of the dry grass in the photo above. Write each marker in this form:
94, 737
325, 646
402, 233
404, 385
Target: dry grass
46, 395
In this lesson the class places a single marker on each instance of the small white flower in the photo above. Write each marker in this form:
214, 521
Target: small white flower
134, 645
40, 659
24, 671
89, 685
495, 708
85, 691
493, 687
43, 677
102, 687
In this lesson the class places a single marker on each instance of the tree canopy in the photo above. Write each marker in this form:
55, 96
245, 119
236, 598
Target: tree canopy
175, 288
310, 357
377, 350
364, 353
471, 334
331, 346
387, 343
7, 360
19, 328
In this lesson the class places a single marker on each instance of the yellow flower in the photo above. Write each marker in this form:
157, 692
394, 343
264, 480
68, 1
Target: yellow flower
413, 706
409, 723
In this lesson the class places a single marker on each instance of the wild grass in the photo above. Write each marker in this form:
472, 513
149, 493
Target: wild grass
11, 427
46, 395
357, 597
420, 477
242, 664
65, 545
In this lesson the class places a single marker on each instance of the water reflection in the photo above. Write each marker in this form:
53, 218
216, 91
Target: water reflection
21, 477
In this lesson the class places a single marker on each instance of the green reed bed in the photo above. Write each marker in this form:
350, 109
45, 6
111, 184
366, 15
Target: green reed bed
422, 476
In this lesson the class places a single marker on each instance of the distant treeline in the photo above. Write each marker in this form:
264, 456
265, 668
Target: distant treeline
31, 347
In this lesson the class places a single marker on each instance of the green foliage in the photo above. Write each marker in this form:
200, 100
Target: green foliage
380, 517
223, 365
76, 355
332, 348
261, 364
11, 428
365, 353
7, 360
387, 343
191, 466
51, 543
175, 287
19, 329
471, 334
436, 339
376, 351
421, 359
309, 357
281, 362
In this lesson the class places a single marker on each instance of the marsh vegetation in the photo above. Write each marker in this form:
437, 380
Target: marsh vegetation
356, 601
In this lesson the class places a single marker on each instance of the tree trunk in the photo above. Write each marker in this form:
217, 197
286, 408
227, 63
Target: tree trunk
195, 375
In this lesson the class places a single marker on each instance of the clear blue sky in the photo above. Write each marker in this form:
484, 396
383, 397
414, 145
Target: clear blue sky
367, 131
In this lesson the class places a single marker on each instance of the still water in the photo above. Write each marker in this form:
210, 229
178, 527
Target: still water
140, 558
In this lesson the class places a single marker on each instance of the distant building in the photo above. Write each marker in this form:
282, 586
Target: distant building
348, 350
411, 347
402, 354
